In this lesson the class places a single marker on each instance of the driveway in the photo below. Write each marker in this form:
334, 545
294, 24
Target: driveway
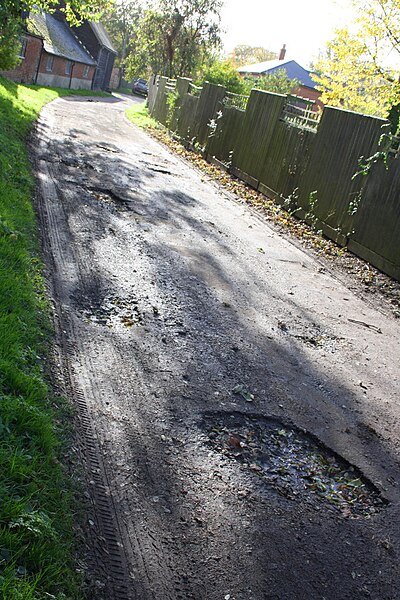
237, 404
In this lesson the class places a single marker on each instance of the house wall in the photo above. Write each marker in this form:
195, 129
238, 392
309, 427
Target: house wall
25, 72
104, 58
105, 63
309, 93
58, 78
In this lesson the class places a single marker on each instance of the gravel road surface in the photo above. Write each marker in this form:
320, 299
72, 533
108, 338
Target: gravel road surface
237, 404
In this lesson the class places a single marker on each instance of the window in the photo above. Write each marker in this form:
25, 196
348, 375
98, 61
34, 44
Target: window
86, 71
22, 52
50, 63
68, 67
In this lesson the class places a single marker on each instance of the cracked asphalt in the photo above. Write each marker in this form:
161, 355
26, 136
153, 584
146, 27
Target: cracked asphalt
181, 314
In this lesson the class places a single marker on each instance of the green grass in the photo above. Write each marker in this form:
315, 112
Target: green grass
138, 114
36, 541
124, 90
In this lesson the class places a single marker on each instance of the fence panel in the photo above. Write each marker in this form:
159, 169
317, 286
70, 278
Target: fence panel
160, 106
187, 122
285, 161
209, 103
292, 154
342, 138
376, 224
153, 88
224, 139
262, 113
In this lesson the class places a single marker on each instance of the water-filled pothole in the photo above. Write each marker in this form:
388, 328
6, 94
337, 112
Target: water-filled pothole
116, 311
293, 462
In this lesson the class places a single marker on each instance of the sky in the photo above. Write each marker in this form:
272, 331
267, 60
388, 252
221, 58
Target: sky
303, 27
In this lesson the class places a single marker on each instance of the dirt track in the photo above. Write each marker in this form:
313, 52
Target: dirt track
190, 335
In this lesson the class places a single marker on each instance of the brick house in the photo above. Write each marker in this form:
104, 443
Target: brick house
53, 54
306, 89
64, 61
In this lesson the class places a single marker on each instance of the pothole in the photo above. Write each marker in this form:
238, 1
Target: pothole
108, 196
293, 462
116, 312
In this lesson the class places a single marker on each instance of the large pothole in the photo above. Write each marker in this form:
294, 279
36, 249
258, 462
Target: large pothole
293, 462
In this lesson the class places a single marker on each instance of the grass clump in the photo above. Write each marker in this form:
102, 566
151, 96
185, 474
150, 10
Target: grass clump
138, 114
35, 504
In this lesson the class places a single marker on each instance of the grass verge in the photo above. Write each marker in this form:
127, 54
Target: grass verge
138, 114
36, 541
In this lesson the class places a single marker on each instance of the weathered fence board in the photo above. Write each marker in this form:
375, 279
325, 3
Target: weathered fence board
376, 223
209, 103
262, 112
187, 123
341, 139
226, 135
160, 108
152, 94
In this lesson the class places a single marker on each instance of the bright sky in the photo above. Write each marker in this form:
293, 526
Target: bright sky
303, 27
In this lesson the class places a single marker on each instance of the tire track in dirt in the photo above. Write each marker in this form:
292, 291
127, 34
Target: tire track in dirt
106, 550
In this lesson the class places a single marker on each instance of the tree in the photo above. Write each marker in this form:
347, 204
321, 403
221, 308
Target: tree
355, 72
122, 20
10, 27
175, 38
13, 12
225, 74
247, 55
277, 82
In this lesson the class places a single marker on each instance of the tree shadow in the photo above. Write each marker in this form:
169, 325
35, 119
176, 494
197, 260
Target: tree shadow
205, 526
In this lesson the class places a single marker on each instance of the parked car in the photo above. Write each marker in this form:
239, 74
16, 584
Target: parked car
140, 87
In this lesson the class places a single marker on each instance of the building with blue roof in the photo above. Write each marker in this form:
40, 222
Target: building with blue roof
306, 89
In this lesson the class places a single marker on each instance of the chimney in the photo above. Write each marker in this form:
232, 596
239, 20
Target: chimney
282, 52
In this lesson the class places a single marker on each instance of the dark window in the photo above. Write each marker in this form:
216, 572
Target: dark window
68, 67
22, 52
50, 63
86, 71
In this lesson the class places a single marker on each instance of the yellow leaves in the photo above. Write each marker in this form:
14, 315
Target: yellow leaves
356, 72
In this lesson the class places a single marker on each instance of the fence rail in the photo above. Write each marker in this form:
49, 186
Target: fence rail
299, 116
235, 101
170, 86
394, 149
194, 90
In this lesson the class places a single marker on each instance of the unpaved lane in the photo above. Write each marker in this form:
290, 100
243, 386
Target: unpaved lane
179, 312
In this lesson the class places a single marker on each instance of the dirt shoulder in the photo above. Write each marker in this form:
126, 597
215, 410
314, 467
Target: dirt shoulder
238, 401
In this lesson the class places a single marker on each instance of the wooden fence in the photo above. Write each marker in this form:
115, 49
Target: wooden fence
302, 160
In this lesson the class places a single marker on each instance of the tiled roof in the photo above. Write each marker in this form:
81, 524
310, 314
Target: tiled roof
292, 68
58, 38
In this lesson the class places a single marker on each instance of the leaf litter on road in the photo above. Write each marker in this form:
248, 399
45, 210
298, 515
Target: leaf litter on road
294, 463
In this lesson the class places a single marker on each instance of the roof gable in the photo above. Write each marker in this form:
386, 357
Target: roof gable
102, 36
